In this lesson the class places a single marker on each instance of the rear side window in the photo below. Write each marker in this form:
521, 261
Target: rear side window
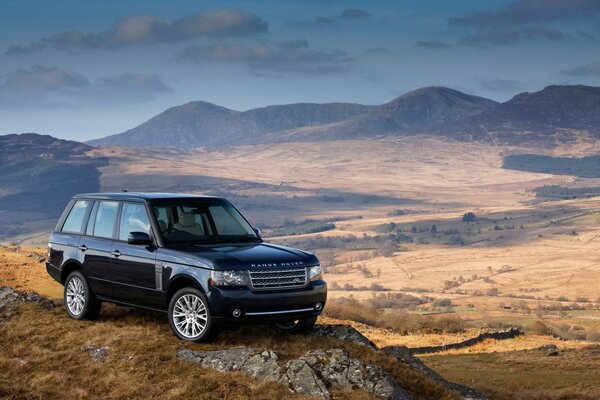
75, 219
133, 219
106, 216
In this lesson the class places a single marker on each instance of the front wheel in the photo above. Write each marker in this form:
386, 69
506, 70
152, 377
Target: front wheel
190, 317
299, 325
80, 301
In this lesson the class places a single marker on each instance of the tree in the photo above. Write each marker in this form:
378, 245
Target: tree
469, 217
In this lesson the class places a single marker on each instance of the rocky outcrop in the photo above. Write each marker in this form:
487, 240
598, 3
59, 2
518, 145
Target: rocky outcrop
10, 298
343, 332
314, 374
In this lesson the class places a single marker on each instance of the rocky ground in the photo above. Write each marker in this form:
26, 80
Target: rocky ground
315, 373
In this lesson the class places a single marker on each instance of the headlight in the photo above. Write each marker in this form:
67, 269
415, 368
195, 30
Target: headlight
315, 273
228, 278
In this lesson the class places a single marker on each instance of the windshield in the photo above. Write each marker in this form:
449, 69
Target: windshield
203, 221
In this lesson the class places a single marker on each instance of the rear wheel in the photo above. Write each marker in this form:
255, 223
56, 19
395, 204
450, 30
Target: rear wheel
190, 317
298, 325
80, 301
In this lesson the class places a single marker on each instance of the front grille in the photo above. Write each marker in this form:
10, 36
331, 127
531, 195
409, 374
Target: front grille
278, 278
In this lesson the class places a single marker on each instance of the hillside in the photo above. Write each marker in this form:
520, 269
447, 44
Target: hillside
39, 175
202, 124
547, 118
551, 116
412, 113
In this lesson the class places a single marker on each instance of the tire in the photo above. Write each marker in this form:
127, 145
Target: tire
80, 302
189, 316
300, 325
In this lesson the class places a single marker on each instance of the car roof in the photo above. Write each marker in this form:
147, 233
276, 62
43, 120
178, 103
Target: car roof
140, 196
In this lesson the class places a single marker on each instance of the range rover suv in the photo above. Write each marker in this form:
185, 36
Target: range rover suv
194, 257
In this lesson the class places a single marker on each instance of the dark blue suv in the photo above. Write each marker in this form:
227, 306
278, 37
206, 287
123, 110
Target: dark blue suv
195, 257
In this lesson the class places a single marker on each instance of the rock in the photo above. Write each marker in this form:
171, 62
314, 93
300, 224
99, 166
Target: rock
339, 370
343, 332
263, 366
310, 374
553, 353
98, 353
10, 298
302, 379
256, 363
403, 355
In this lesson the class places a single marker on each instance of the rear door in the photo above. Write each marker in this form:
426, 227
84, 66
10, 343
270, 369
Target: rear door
65, 239
96, 245
133, 268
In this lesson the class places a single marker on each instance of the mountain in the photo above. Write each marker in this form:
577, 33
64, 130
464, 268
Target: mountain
547, 117
204, 124
39, 175
414, 112
553, 114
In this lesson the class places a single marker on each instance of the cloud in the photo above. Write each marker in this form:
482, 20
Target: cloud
522, 20
501, 85
350, 14
145, 29
53, 87
530, 11
295, 56
507, 34
584, 70
378, 50
433, 44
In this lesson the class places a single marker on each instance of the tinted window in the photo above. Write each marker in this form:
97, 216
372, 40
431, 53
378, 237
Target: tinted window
91, 221
74, 222
228, 222
105, 219
202, 221
133, 219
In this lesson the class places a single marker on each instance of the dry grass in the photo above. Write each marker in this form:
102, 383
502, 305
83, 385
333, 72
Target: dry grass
525, 375
42, 348
395, 320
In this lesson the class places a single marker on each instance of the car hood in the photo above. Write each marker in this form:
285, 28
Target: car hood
238, 256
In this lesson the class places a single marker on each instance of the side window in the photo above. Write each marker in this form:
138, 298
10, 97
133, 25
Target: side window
92, 220
133, 219
74, 222
106, 216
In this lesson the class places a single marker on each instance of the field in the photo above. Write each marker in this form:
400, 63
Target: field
416, 231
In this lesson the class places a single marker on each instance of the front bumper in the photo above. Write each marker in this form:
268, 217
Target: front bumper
266, 305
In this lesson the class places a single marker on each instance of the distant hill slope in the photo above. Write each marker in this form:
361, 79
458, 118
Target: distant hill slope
412, 113
547, 117
204, 124
39, 175
555, 113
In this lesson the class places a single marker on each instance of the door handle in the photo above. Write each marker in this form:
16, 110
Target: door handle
83, 247
116, 253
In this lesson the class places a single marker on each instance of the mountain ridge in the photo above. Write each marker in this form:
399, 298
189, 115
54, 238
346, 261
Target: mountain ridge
557, 113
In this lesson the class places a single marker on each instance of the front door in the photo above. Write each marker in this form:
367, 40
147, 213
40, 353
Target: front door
133, 267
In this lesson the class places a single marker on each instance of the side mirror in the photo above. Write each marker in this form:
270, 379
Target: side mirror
138, 238
257, 231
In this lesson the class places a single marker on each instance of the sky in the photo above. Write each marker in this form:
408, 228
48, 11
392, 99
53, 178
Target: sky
86, 69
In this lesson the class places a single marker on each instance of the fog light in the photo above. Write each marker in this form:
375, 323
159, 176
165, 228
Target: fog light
237, 312
319, 306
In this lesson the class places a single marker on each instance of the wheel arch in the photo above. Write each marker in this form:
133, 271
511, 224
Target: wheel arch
68, 267
182, 281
